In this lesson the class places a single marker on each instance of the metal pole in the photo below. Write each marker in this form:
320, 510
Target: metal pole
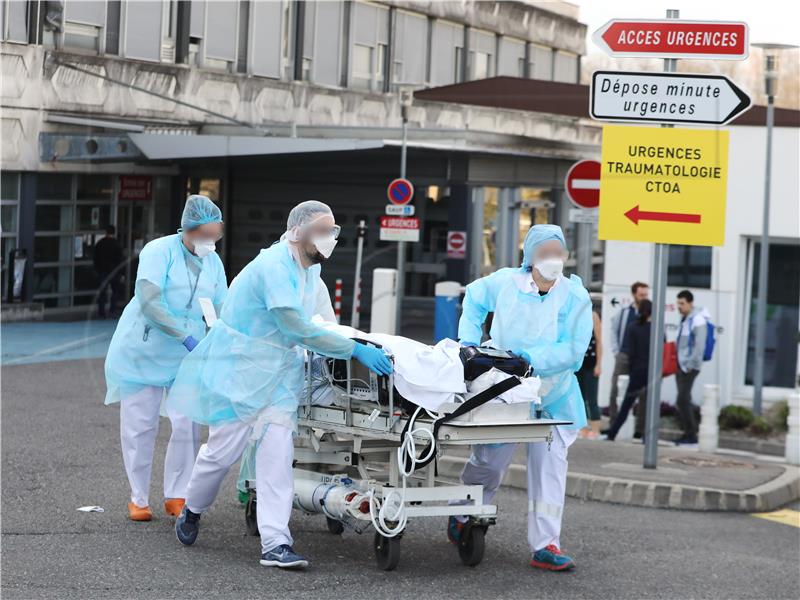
584, 258
763, 271
355, 313
660, 258
401, 246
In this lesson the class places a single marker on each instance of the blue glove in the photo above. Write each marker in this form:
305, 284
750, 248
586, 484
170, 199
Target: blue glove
373, 358
190, 343
463, 343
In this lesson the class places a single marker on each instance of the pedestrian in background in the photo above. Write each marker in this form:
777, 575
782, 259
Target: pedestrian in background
107, 259
692, 335
636, 346
619, 323
588, 376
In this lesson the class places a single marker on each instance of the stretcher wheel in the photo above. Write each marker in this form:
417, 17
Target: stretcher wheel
334, 526
472, 546
387, 552
250, 519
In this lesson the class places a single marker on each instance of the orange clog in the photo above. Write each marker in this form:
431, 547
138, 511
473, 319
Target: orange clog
174, 506
139, 513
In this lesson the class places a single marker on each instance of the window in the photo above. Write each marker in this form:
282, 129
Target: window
71, 214
447, 45
269, 32
565, 67
411, 48
144, 22
220, 45
689, 266
14, 21
541, 62
370, 43
783, 308
511, 57
9, 219
84, 23
481, 54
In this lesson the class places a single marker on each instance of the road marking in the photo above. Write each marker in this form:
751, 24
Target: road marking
786, 516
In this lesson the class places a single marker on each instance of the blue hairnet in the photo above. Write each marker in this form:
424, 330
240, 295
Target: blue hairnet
199, 210
537, 235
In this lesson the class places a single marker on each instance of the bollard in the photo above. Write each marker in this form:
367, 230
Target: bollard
384, 300
337, 301
445, 323
708, 435
793, 434
626, 431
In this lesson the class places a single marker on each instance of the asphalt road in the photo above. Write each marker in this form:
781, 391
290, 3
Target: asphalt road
60, 450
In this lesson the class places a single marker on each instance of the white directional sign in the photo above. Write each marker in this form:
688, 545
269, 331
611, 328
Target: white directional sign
665, 98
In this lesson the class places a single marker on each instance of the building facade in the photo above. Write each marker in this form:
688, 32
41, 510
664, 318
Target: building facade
113, 111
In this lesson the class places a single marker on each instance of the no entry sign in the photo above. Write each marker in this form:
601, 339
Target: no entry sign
400, 191
670, 38
456, 244
582, 184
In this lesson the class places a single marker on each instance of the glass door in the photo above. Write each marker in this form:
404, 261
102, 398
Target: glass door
134, 221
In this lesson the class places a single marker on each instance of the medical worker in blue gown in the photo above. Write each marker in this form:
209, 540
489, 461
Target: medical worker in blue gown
246, 377
546, 318
159, 327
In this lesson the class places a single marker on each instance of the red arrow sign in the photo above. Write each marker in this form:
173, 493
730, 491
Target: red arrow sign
674, 39
637, 215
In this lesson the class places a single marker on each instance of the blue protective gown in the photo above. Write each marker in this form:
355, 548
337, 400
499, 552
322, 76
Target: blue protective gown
554, 330
251, 364
142, 352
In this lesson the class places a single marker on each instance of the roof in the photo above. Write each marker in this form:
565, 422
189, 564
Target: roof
567, 99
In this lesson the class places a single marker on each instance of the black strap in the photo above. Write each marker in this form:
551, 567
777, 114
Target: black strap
477, 400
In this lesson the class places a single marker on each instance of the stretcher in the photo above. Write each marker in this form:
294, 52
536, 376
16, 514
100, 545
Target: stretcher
366, 458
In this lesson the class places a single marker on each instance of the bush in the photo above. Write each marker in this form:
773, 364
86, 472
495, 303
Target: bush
735, 417
778, 415
760, 426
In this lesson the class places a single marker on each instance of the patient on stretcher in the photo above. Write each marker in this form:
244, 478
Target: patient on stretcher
427, 376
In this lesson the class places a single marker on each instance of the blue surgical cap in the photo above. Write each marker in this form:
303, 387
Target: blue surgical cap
199, 210
537, 235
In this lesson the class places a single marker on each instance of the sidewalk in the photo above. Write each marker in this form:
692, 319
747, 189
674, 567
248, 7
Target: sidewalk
685, 479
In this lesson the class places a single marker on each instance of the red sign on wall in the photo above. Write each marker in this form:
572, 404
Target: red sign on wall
135, 187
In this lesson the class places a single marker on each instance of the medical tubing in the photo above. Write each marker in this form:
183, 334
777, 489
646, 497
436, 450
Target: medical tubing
406, 455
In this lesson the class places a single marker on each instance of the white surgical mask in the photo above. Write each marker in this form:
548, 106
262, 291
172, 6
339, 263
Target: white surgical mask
550, 268
325, 245
204, 247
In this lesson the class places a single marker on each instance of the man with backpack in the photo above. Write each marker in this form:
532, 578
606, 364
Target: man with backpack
695, 345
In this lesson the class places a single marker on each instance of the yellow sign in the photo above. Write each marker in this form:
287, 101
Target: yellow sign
663, 185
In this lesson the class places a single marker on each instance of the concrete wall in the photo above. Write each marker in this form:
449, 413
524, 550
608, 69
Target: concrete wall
626, 262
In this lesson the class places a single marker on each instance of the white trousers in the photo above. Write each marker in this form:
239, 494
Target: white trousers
138, 426
274, 479
547, 481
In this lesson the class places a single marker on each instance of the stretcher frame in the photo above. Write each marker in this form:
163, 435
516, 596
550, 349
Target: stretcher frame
356, 434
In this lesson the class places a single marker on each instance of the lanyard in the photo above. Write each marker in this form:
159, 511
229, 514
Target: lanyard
189, 278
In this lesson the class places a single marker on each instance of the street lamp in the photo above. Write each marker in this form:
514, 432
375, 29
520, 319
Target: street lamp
771, 54
405, 94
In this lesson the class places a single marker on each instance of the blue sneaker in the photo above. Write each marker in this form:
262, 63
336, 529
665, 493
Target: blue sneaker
285, 557
454, 528
551, 559
187, 526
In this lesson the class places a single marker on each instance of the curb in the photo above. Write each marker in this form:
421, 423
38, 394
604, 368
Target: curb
766, 497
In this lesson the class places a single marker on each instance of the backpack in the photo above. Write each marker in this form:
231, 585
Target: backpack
711, 341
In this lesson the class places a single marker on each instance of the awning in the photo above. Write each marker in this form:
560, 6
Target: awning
172, 147
566, 99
